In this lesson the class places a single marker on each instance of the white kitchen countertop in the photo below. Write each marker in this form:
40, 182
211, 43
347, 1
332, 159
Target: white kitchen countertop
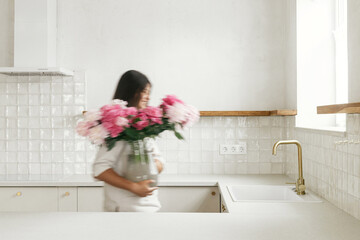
245, 220
164, 180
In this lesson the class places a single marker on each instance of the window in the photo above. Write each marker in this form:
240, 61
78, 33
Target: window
322, 77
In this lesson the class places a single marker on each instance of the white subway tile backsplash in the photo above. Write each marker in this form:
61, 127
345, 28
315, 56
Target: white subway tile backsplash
79, 99
230, 168
195, 156
69, 157
331, 170
23, 156
34, 88
34, 123
265, 168
57, 168
241, 168
206, 168
56, 100
46, 157
34, 133
34, 157
68, 168
219, 168
34, 100
79, 157
57, 145
11, 100
79, 87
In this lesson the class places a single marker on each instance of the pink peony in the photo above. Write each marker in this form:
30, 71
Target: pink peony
83, 127
143, 121
192, 116
140, 125
114, 117
131, 111
112, 111
122, 122
154, 114
169, 101
176, 113
92, 116
98, 134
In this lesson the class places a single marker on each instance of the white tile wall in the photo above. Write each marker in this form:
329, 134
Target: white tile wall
331, 170
199, 153
37, 119
38, 116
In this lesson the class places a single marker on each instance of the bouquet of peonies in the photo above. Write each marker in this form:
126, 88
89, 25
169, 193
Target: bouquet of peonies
116, 122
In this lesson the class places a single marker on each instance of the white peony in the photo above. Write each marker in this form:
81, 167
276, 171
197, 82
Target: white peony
122, 103
98, 134
176, 113
92, 116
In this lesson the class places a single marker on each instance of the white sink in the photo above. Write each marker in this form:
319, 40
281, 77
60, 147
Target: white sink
268, 193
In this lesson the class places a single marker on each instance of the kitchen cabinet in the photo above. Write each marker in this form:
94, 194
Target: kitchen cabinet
189, 199
28, 199
67, 197
51, 199
90, 199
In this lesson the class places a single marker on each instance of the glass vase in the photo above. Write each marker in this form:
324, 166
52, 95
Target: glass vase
140, 164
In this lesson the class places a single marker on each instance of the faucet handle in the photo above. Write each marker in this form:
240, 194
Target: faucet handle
302, 188
291, 183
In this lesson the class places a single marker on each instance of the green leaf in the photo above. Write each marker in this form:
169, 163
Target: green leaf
110, 144
132, 133
178, 135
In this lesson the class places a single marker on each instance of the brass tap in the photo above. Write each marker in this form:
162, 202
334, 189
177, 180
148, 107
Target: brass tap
300, 183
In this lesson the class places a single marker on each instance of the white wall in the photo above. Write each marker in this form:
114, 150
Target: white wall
216, 55
354, 50
7, 33
290, 55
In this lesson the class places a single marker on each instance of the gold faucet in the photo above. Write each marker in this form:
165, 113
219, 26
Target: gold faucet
300, 183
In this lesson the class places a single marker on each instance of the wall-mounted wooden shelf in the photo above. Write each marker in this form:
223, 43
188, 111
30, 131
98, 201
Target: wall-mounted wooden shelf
339, 108
285, 112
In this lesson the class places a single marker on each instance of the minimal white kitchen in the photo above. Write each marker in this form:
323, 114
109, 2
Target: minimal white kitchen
240, 119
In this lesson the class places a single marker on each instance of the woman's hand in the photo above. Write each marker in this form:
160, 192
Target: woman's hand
159, 165
142, 188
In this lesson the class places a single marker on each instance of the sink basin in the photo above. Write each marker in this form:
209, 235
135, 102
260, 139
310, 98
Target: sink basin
268, 193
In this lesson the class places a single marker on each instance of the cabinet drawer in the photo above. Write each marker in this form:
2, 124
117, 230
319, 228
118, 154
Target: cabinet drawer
27, 199
90, 199
67, 197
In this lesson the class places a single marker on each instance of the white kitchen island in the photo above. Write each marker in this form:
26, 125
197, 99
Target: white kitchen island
245, 220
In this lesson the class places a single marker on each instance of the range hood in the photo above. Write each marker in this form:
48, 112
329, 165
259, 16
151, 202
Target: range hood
35, 32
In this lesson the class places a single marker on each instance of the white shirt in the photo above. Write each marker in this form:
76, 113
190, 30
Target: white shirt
118, 199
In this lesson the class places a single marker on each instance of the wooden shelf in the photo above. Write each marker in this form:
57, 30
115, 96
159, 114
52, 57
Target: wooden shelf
339, 108
285, 112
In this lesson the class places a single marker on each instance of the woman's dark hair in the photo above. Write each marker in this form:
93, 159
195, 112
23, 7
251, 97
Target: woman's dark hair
130, 85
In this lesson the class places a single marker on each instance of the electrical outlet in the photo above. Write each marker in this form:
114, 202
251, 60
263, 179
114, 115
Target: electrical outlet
233, 148
242, 148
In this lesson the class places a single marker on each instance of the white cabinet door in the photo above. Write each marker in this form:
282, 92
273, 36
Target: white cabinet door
28, 199
67, 197
90, 199
189, 199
